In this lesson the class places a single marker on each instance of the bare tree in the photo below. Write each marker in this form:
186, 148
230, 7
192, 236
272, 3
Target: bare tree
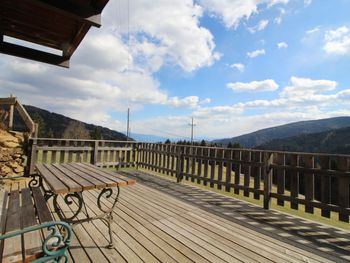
76, 130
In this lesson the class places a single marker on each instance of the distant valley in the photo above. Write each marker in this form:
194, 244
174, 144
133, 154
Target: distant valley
330, 135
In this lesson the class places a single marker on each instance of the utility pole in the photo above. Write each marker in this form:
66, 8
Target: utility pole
192, 125
127, 125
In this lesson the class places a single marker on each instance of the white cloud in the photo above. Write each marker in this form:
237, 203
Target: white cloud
233, 11
106, 74
313, 30
255, 53
307, 2
276, 2
239, 66
337, 41
190, 101
278, 20
282, 45
259, 27
302, 88
265, 85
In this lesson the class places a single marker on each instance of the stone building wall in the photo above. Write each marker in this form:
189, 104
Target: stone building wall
12, 157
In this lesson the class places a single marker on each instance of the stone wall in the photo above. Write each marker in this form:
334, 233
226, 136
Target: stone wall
11, 154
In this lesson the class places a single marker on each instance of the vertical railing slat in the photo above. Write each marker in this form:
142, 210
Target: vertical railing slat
344, 187
309, 180
281, 177
294, 181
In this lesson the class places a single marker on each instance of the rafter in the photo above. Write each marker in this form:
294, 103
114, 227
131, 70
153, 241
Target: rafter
33, 54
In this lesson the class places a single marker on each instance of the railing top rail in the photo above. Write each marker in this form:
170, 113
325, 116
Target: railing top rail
201, 147
81, 140
257, 150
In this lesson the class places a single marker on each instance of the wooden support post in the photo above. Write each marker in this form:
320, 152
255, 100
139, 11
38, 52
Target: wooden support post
36, 130
268, 159
94, 153
10, 124
32, 157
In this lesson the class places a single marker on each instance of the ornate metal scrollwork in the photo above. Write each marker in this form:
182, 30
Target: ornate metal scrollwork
56, 243
56, 240
68, 200
36, 181
107, 193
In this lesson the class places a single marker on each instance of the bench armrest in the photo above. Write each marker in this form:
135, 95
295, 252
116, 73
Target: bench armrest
55, 245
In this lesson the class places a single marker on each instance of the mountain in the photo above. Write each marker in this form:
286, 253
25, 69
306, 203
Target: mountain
148, 138
263, 136
332, 141
53, 125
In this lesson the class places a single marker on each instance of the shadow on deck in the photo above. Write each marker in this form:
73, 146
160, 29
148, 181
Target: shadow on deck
158, 220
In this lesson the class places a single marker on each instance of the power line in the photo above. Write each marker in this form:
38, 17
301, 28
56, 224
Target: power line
169, 133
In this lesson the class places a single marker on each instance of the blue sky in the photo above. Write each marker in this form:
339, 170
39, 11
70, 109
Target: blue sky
236, 66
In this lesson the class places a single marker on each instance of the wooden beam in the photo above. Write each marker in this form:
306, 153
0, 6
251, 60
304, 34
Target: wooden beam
8, 101
25, 116
87, 15
33, 54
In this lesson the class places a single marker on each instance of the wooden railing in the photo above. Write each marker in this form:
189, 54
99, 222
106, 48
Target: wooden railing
301, 179
99, 152
13, 103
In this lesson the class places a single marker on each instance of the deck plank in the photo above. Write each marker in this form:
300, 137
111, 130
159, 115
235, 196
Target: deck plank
154, 225
302, 238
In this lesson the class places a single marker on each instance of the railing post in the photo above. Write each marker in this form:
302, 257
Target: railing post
136, 155
179, 163
268, 159
32, 157
36, 130
94, 154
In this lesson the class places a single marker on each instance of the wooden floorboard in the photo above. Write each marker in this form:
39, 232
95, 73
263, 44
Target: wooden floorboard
160, 221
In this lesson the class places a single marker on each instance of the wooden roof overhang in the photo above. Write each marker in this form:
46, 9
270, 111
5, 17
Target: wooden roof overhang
58, 24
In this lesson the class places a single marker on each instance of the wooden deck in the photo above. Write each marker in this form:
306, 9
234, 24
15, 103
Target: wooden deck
158, 220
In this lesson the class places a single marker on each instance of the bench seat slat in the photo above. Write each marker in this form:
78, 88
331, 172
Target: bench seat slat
32, 240
27, 209
13, 246
41, 207
13, 221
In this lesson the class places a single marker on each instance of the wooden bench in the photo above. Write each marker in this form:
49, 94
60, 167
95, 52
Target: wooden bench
28, 231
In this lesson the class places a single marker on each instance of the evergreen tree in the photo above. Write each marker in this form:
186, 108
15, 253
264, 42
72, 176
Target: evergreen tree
42, 126
96, 134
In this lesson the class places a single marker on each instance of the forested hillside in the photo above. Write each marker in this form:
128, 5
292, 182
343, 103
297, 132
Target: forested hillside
53, 125
263, 136
333, 141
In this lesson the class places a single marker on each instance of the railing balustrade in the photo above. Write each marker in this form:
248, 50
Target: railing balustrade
303, 180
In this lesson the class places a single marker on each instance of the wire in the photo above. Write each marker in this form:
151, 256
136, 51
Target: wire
169, 133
